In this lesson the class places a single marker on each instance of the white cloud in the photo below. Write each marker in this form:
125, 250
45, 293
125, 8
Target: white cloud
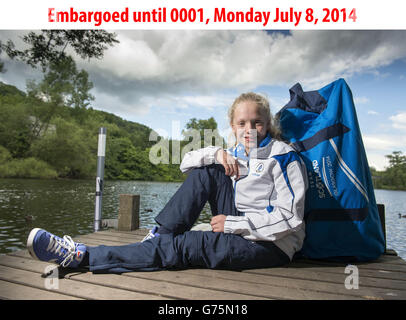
360, 100
377, 146
372, 112
384, 142
377, 160
195, 63
148, 67
399, 121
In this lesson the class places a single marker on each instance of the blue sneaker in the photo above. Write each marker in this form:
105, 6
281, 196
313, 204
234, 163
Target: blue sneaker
45, 246
151, 234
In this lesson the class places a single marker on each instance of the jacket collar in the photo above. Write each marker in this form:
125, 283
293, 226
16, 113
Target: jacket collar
261, 151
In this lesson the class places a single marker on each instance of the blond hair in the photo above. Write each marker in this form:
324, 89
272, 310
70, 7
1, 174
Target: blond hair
263, 106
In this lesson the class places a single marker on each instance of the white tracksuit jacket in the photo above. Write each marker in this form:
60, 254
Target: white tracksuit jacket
270, 191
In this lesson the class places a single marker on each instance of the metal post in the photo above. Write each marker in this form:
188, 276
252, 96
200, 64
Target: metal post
101, 152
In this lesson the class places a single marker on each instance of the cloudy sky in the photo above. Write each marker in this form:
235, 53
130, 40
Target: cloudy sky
164, 78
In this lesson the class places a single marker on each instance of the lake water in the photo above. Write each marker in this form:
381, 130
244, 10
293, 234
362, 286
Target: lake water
67, 207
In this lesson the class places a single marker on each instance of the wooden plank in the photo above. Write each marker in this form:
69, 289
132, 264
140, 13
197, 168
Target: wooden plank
364, 266
164, 288
209, 279
131, 237
296, 271
94, 242
19, 253
113, 238
140, 232
381, 272
302, 279
100, 239
14, 291
33, 278
117, 281
314, 284
338, 276
292, 270
302, 286
391, 259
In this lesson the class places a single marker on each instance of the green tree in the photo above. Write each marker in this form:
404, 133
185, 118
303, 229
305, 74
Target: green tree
68, 149
49, 46
396, 159
63, 85
394, 177
1, 63
207, 129
116, 149
15, 127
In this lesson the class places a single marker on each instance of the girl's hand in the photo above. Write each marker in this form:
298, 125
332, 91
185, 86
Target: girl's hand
229, 163
217, 223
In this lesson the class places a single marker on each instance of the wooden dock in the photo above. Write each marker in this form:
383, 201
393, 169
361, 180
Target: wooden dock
21, 277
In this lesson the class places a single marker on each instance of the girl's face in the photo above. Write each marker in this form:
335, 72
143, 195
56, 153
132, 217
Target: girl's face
249, 125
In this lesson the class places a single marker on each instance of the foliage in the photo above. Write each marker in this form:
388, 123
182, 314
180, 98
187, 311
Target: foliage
14, 126
1, 63
66, 147
63, 85
49, 46
394, 177
8, 90
52, 131
207, 129
23, 168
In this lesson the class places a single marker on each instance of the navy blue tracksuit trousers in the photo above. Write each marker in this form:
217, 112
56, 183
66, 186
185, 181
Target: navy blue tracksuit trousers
180, 248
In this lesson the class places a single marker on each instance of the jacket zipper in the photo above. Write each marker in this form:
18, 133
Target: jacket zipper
235, 184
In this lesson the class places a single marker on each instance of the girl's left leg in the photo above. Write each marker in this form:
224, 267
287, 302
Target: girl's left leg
204, 184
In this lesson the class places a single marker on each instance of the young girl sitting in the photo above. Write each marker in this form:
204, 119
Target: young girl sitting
256, 191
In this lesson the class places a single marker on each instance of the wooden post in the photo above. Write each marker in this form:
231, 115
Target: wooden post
129, 212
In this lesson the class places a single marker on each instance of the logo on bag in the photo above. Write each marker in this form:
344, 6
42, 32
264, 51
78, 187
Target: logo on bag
259, 168
318, 183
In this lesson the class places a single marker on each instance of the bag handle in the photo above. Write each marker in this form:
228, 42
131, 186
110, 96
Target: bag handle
327, 133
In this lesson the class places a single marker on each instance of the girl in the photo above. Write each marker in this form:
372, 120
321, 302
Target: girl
256, 192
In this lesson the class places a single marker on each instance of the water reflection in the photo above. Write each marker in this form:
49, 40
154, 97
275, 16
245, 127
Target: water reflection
67, 206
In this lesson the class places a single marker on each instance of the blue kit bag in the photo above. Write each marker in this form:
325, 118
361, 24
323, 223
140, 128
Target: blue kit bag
341, 215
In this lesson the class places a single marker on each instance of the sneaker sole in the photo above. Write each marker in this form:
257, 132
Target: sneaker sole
30, 242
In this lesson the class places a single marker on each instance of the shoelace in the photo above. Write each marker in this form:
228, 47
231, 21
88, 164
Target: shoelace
57, 244
148, 236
